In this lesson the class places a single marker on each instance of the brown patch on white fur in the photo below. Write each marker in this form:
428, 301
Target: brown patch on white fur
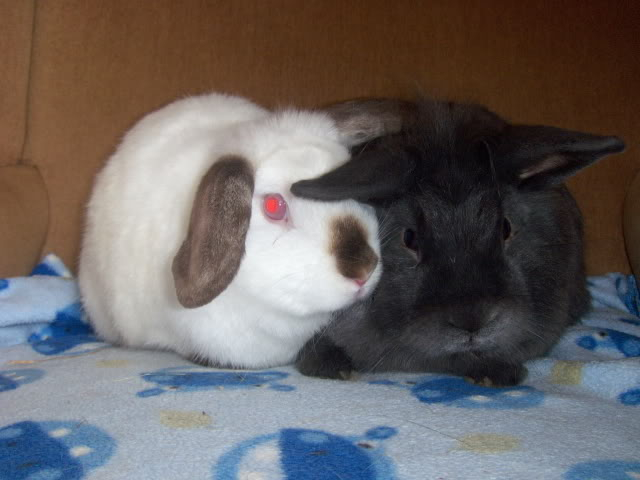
354, 257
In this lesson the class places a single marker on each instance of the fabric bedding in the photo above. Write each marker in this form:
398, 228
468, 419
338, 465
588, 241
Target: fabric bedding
72, 407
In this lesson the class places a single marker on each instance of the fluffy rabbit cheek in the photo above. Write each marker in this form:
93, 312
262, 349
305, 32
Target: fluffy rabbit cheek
291, 269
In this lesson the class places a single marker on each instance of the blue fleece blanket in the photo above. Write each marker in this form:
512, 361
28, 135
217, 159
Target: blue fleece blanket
72, 407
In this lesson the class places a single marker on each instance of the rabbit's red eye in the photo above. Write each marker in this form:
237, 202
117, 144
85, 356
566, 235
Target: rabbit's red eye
274, 206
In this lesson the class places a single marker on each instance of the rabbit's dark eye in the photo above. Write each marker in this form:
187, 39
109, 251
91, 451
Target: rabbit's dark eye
506, 229
410, 239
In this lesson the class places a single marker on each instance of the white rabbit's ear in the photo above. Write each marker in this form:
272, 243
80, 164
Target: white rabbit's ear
210, 256
359, 121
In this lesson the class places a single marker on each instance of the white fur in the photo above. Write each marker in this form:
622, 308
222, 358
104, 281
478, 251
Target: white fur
288, 283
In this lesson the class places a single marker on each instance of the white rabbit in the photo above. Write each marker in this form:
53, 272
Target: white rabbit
193, 242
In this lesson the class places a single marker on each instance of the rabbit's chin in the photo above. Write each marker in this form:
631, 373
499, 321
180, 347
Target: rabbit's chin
313, 288
323, 303
298, 296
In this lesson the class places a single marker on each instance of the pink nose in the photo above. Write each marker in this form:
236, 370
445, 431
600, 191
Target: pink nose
361, 281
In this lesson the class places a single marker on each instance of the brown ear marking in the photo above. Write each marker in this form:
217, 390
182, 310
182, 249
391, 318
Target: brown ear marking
361, 120
354, 257
210, 255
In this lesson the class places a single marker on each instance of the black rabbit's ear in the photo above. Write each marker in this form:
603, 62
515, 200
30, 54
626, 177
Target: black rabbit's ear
210, 256
361, 120
540, 156
371, 176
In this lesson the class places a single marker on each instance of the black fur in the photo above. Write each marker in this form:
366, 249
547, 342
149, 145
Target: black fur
495, 271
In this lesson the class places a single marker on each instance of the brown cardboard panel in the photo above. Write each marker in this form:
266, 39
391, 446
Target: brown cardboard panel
23, 216
16, 24
101, 65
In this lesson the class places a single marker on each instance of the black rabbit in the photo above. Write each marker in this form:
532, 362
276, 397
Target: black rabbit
482, 246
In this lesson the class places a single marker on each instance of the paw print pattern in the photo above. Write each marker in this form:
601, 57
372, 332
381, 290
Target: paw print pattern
630, 397
193, 379
4, 284
52, 450
457, 392
64, 333
611, 341
604, 470
295, 453
12, 379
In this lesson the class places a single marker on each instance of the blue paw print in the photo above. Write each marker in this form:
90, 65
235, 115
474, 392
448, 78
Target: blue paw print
604, 470
607, 339
192, 379
630, 397
64, 333
11, 379
457, 392
295, 453
4, 283
52, 450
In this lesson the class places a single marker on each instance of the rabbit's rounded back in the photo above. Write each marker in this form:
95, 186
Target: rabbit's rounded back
179, 253
482, 244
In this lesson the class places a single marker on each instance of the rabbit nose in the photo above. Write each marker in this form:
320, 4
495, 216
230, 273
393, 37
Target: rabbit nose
361, 280
469, 323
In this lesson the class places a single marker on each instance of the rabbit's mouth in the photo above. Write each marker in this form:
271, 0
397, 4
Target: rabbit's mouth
478, 342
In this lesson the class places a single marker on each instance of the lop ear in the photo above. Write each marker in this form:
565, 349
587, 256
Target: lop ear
540, 156
371, 177
210, 256
361, 120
